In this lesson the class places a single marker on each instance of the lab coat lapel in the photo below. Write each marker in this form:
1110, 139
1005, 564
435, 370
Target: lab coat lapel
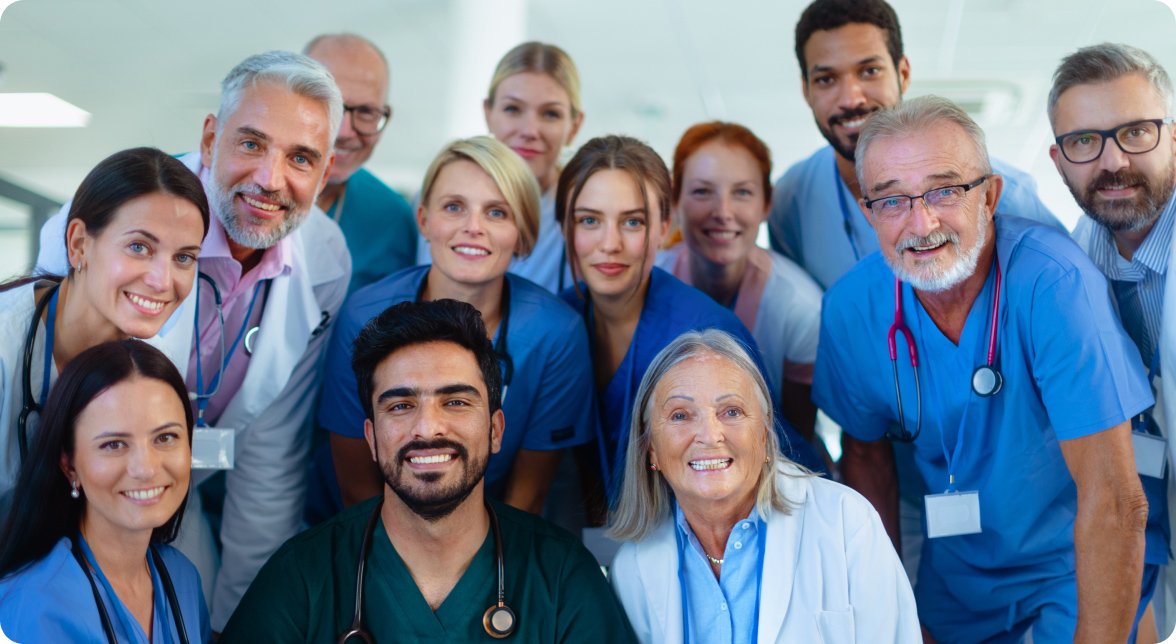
781, 558
658, 567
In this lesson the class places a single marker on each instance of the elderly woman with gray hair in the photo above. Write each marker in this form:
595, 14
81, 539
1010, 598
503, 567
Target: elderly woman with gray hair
729, 540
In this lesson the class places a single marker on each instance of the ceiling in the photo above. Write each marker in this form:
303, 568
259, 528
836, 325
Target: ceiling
148, 71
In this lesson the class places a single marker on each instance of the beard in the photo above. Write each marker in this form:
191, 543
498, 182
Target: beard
1126, 215
237, 226
421, 492
963, 267
846, 150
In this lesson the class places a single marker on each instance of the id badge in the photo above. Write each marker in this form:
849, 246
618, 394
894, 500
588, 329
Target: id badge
1151, 454
212, 448
952, 513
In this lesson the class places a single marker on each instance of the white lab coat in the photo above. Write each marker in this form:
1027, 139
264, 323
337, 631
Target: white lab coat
830, 574
266, 490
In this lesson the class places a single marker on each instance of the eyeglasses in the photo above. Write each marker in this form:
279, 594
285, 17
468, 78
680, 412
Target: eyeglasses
942, 198
366, 119
1136, 137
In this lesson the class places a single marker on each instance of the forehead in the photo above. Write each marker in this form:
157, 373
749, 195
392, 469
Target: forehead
705, 377
1107, 104
154, 401
611, 189
426, 366
531, 87
462, 176
283, 116
923, 158
717, 158
160, 213
359, 71
845, 46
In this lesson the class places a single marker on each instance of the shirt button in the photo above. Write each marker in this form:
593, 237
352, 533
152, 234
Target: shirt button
723, 605
738, 545
746, 525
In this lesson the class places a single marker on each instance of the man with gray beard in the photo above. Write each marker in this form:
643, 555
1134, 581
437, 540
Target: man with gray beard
992, 346
250, 337
1115, 147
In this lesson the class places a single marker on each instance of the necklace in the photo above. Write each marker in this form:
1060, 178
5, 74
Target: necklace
717, 562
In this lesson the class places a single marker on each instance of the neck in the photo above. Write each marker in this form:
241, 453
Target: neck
1129, 241
330, 193
548, 179
123, 556
712, 522
436, 553
78, 326
846, 171
249, 258
949, 308
620, 310
487, 298
719, 281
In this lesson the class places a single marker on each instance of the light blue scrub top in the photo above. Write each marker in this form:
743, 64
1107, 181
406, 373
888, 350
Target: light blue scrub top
1069, 371
51, 601
379, 226
549, 403
811, 206
671, 308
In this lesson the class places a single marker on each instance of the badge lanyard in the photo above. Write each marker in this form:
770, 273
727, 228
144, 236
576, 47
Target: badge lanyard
759, 575
846, 216
202, 398
50, 324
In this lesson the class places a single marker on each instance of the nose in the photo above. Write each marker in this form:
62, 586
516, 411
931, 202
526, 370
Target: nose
158, 274
724, 208
611, 240
429, 422
143, 463
922, 220
709, 431
851, 95
529, 125
345, 127
474, 223
270, 174
1113, 158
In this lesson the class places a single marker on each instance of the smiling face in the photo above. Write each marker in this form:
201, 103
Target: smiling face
708, 434
936, 248
433, 432
132, 468
722, 203
850, 76
362, 78
615, 237
139, 268
469, 225
268, 160
1118, 190
531, 113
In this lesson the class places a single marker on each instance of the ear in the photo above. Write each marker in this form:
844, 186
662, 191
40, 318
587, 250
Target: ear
992, 192
578, 121
866, 211
67, 468
420, 217
369, 434
487, 107
1056, 155
326, 173
75, 242
804, 90
497, 427
207, 140
651, 457
904, 74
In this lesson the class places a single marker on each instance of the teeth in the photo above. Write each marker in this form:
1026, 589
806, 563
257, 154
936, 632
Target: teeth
467, 250
259, 205
923, 248
710, 464
145, 303
424, 460
853, 124
723, 234
143, 495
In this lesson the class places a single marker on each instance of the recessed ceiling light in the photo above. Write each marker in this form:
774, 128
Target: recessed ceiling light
40, 110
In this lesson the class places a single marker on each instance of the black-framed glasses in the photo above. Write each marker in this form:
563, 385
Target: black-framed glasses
1136, 137
941, 198
367, 119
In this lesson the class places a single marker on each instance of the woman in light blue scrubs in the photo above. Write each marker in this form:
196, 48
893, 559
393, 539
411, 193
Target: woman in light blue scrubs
82, 550
479, 209
613, 201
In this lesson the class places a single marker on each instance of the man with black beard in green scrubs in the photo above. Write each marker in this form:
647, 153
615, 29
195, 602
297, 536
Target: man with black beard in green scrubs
431, 384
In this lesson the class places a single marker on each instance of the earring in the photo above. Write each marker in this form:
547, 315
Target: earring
74, 491
767, 459
653, 467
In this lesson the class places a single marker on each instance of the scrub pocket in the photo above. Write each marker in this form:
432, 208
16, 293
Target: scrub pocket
836, 626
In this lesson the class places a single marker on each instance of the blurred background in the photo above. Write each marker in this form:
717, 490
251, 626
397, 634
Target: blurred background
145, 72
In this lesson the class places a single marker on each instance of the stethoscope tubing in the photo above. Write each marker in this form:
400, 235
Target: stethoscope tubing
169, 592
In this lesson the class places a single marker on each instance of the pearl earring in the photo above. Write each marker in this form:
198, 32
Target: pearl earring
74, 491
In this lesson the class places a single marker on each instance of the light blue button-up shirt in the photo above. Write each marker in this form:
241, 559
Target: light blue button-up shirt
723, 609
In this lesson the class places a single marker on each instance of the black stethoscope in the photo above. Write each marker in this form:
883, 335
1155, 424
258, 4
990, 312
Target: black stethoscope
498, 620
169, 592
503, 330
30, 405
246, 333
986, 379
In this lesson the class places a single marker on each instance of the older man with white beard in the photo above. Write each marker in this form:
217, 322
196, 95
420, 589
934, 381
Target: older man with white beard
250, 337
994, 347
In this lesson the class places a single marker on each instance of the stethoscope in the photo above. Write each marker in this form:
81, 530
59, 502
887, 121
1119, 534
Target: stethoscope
30, 405
986, 379
169, 592
498, 620
246, 334
846, 216
503, 330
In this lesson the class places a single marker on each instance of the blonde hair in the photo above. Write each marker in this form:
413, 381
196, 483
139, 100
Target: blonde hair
645, 498
539, 58
509, 172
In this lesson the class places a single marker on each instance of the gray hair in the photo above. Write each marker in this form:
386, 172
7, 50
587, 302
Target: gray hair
645, 498
917, 115
295, 72
1104, 63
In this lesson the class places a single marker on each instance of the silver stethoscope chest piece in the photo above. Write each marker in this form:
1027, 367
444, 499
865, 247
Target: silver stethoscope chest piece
986, 381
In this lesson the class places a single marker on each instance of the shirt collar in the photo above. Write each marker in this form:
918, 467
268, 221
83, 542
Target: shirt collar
683, 526
1152, 253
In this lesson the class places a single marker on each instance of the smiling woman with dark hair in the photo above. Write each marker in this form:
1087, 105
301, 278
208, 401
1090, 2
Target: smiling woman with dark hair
82, 554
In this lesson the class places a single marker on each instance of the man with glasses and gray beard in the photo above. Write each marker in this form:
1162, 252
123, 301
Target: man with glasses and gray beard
1115, 147
992, 345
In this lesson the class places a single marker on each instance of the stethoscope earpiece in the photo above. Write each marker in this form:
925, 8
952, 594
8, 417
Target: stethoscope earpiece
499, 621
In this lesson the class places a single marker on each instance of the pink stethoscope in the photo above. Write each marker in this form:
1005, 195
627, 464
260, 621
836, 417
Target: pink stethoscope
986, 379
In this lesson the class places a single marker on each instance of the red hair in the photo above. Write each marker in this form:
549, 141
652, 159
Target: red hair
731, 134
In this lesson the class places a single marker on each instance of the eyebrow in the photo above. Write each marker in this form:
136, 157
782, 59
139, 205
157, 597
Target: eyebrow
517, 99
827, 68
416, 392
106, 435
304, 150
500, 203
680, 396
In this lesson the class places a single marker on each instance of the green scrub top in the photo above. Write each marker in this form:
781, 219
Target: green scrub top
306, 591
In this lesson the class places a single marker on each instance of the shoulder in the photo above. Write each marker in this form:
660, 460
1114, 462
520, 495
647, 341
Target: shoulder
321, 244
538, 309
16, 310
789, 274
556, 550
310, 554
828, 507
1037, 252
369, 301
868, 279
687, 304
375, 189
41, 581
575, 298
181, 569
806, 169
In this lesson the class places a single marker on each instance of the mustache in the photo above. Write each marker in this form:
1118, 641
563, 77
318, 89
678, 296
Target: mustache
1119, 179
936, 238
851, 115
439, 443
271, 195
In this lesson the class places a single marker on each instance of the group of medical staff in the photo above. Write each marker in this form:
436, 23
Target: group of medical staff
998, 382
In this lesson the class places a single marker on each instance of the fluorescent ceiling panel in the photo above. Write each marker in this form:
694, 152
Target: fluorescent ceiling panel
40, 110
